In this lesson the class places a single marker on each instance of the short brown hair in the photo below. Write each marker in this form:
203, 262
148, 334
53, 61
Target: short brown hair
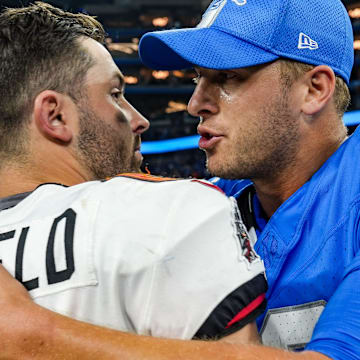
292, 70
39, 50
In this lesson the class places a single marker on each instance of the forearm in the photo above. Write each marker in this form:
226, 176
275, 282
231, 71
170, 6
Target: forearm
28, 331
46, 335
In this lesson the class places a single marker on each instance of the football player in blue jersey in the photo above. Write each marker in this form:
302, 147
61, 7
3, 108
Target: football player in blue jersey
271, 90
69, 234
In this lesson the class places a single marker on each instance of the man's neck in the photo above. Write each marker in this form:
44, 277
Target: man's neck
275, 191
16, 179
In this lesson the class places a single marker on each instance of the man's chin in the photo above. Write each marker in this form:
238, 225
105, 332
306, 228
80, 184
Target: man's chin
136, 163
214, 168
138, 158
221, 171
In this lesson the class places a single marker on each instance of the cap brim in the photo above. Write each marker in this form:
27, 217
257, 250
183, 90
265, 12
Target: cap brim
204, 47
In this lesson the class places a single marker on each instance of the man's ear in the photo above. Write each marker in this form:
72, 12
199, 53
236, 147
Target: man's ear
320, 85
52, 117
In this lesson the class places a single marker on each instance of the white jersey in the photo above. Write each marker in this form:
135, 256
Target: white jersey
150, 257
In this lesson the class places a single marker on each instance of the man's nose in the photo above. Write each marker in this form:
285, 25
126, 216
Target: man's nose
203, 101
138, 123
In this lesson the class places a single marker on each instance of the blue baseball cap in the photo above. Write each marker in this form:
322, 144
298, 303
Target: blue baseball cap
240, 33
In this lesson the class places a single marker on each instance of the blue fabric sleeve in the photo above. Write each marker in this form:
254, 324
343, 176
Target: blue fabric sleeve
337, 333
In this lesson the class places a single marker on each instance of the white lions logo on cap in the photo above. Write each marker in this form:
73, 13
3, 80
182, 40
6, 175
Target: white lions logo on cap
215, 4
240, 2
214, 10
212, 13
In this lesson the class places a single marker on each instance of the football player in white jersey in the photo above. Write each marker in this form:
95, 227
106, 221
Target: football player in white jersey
131, 252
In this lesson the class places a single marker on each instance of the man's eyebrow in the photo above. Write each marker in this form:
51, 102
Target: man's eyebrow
121, 79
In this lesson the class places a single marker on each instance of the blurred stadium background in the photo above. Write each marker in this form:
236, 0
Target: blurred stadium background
170, 146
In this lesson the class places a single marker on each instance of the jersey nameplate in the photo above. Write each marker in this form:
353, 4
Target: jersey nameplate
291, 327
51, 254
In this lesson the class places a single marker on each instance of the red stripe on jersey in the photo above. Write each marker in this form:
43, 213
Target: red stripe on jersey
209, 185
246, 310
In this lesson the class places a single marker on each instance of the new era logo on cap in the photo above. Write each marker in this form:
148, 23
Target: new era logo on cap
305, 42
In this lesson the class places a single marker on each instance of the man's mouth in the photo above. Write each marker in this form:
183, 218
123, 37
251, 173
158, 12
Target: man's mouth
208, 138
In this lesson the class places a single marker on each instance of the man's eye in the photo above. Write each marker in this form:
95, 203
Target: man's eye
117, 94
224, 76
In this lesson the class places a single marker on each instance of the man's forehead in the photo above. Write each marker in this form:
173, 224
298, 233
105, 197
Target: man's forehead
104, 67
98, 52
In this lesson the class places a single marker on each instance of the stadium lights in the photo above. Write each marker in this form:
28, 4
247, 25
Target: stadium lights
160, 75
354, 13
171, 145
178, 74
127, 48
131, 80
174, 106
160, 21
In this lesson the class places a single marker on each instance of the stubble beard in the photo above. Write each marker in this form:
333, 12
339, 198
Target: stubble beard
261, 152
102, 150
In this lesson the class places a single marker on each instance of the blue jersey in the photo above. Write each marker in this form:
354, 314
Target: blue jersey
310, 247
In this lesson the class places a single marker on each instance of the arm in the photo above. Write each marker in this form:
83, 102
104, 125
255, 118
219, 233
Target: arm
337, 332
28, 331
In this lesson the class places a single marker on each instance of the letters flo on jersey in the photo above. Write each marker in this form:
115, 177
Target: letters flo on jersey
128, 253
44, 252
